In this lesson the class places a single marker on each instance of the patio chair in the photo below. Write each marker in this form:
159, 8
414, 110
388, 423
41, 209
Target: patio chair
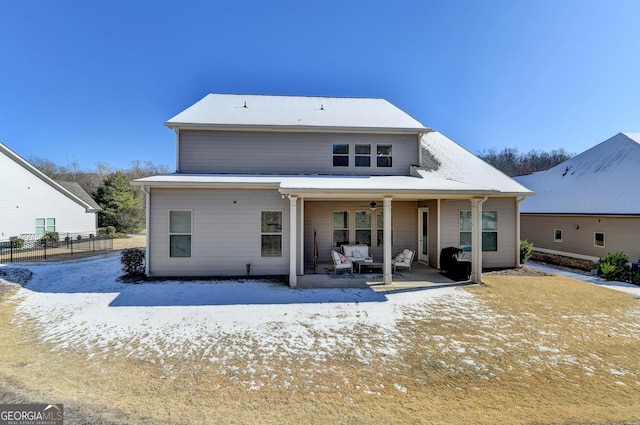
403, 260
340, 263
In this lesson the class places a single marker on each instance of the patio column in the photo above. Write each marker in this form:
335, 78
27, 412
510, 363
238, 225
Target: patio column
476, 239
293, 238
386, 215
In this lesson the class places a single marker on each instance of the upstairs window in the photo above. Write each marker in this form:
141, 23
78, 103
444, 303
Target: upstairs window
340, 155
385, 155
363, 156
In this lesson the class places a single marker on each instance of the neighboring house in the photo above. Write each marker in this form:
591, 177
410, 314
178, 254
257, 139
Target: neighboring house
257, 176
589, 205
32, 203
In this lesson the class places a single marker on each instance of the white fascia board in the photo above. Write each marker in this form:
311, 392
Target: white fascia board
298, 129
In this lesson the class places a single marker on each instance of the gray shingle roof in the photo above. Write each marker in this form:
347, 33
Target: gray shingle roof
602, 180
236, 110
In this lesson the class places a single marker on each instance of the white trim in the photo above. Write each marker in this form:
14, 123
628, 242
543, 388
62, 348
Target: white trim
293, 240
387, 276
422, 210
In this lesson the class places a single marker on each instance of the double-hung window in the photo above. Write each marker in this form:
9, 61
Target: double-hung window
180, 233
340, 225
45, 225
363, 227
489, 230
271, 233
363, 155
340, 155
385, 155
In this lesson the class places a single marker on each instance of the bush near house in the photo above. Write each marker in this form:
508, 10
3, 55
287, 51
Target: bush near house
526, 248
17, 243
614, 266
132, 260
50, 240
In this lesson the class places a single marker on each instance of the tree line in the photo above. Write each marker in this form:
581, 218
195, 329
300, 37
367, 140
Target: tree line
513, 163
123, 206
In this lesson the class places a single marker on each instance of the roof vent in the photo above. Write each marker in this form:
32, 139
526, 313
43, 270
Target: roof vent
321, 107
245, 104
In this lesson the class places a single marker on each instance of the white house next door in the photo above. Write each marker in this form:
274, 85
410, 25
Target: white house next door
423, 232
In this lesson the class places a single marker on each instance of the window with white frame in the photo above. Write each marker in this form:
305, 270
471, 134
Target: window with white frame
363, 227
598, 239
45, 225
340, 225
271, 233
384, 155
380, 228
557, 235
340, 155
363, 155
180, 233
489, 230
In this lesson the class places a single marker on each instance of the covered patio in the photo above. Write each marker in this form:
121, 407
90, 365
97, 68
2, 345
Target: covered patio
420, 276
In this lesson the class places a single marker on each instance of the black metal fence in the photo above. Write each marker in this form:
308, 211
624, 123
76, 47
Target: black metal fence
31, 247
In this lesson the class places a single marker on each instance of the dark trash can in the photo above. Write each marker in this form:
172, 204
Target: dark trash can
454, 264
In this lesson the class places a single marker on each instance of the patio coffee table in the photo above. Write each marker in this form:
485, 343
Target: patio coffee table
371, 265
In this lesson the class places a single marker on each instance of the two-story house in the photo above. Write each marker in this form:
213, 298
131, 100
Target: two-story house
257, 176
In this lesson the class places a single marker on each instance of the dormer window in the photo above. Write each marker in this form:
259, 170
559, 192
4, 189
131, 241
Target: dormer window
340, 155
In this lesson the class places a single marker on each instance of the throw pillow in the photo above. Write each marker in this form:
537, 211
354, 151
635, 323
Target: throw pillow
400, 258
343, 259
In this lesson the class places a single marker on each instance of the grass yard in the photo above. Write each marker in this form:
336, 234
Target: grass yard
520, 350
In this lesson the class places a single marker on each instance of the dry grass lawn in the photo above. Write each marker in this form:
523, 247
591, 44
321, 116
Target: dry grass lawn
544, 350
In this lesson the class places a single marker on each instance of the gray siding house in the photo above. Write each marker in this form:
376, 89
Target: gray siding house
261, 178
589, 205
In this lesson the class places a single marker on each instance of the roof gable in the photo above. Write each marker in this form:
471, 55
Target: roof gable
295, 112
602, 180
71, 194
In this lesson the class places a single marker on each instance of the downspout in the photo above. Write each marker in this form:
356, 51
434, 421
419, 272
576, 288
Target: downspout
147, 196
518, 200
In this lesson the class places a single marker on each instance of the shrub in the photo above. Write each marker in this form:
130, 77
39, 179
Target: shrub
79, 237
17, 243
526, 248
110, 230
619, 261
50, 239
132, 261
608, 271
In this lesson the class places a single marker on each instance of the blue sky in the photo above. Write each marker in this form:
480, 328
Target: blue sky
95, 81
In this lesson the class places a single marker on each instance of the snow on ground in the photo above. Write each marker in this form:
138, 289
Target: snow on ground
81, 304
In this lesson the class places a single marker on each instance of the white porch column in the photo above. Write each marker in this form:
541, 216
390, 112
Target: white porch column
293, 239
386, 214
476, 239
301, 236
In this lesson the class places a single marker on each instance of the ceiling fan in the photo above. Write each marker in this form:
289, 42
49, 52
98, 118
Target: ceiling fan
372, 205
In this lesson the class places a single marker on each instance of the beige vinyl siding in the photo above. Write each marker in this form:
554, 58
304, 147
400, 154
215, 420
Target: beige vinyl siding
319, 214
225, 236
286, 153
622, 233
506, 254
